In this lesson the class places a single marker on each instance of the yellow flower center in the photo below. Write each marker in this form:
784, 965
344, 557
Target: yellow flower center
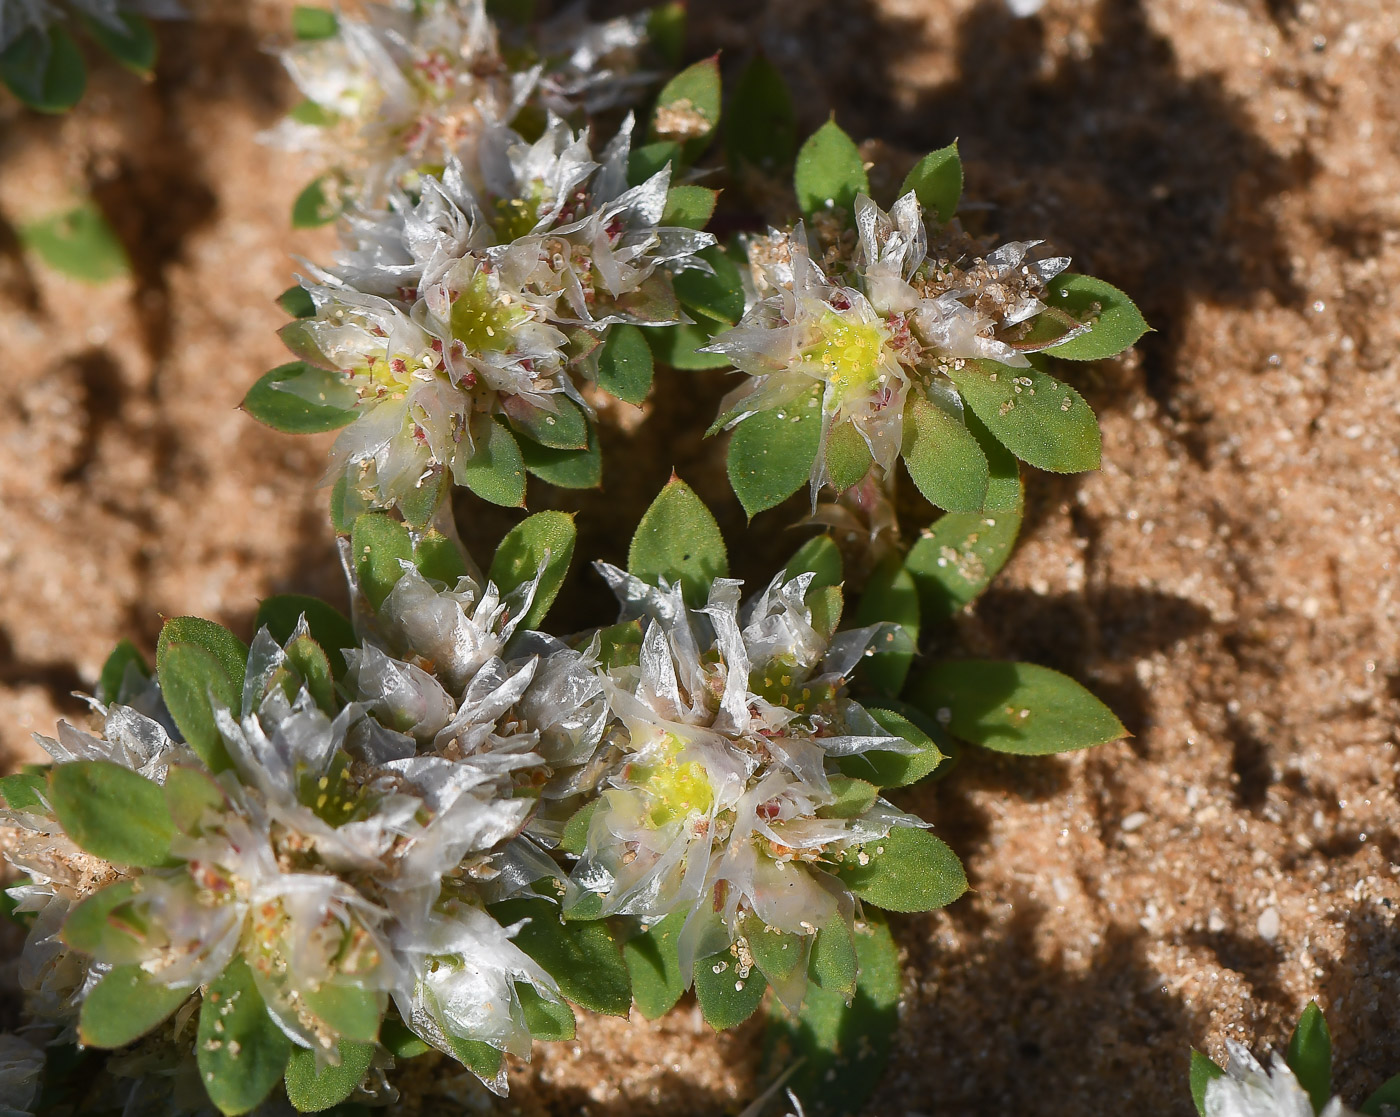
675, 789
848, 355
483, 318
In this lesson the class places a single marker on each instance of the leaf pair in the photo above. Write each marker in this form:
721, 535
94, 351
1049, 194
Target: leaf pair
45, 70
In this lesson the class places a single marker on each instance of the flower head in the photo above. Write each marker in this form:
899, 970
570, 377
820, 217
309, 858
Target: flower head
1248, 1090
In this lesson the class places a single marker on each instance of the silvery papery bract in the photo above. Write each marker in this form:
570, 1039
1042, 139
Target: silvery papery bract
391, 96
729, 726
871, 327
347, 854
483, 301
1248, 1090
19, 16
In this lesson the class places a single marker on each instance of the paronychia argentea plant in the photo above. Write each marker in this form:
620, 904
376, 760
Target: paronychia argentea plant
267, 874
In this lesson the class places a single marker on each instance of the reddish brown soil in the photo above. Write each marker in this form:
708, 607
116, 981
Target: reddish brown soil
1226, 582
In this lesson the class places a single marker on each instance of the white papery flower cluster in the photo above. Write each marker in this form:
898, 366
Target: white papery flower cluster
875, 321
402, 88
19, 16
482, 300
1248, 1090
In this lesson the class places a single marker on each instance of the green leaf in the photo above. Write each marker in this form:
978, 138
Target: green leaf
379, 546
830, 171
192, 681
575, 837
654, 964
550, 1021
350, 1011
771, 453
822, 557
309, 660
421, 504
297, 302
190, 795
1117, 322
779, 956
92, 928
566, 428
645, 161
545, 537
230, 652
329, 627
834, 966
625, 367
678, 539
890, 595
718, 297
848, 457
114, 670
943, 457
79, 243
496, 472
314, 23
953, 561
112, 812
134, 46
688, 106
1203, 1073
399, 1041
727, 999
583, 957
679, 347
568, 469
853, 798
316, 115
1388, 1096
894, 769
1310, 1056
22, 791
666, 32
621, 645
1042, 421
439, 557
125, 1005
1004, 491
45, 70
937, 180
241, 1053
314, 207
907, 870
310, 1092
840, 1050
1014, 707
689, 207
480, 1058
761, 127
298, 398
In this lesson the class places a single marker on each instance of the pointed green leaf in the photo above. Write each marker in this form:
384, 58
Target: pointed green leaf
23, 790
379, 546
550, 1021
1042, 421
679, 347
575, 836
192, 681
399, 1041
954, 561
841, 1050
943, 457
689, 207
583, 957
480, 1058
645, 161
1385, 1099
890, 595
310, 1092
655, 966
666, 32
1310, 1056
937, 180
853, 798
44, 69
314, 23
1203, 1073
419, 506
894, 769
298, 398
822, 557
496, 472
309, 660
1014, 707
848, 457
95, 926
779, 956
112, 812
771, 454
679, 539
568, 469
134, 46
625, 367
125, 657
125, 1005
545, 538
688, 106
230, 652
328, 625
190, 796
907, 870
440, 558
834, 966
78, 243
726, 997
297, 302
1117, 322
718, 297
314, 206
830, 171
241, 1053
565, 428
761, 128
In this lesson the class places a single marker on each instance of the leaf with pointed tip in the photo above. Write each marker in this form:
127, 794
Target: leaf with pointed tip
625, 366
545, 538
907, 870
583, 957
95, 926
399, 1041
679, 347
420, 505
314, 207
298, 398
890, 595
1019, 708
297, 302
1203, 1073
564, 428
726, 998
955, 559
1117, 324
1310, 1056
125, 1005
241, 1053
689, 207
125, 657
112, 812
26, 791
192, 682
771, 453
379, 546
645, 161
830, 171
440, 558
848, 457
496, 472
1041, 420
654, 964
688, 107
943, 457
853, 798
937, 181
329, 627
78, 243
568, 469
575, 836
549, 1021
821, 556
311, 1091
678, 539
761, 127
894, 769
309, 660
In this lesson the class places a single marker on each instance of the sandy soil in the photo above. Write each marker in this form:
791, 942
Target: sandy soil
1226, 582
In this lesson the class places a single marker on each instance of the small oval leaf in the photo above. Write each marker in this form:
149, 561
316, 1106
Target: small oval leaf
1117, 322
241, 1053
125, 1005
625, 366
679, 539
830, 171
943, 457
112, 812
298, 398
545, 537
1041, 420
771, 453
937, 181
907, 870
